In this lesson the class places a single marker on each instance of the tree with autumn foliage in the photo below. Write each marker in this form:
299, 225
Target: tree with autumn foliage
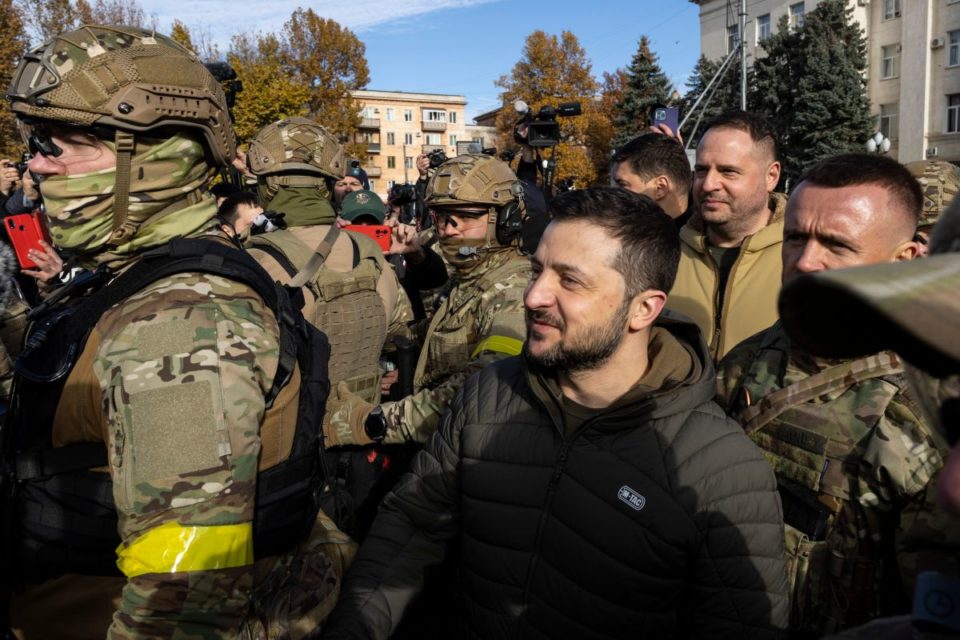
600, 127
330, 61
647, 85
553, 70
13, 42
47, 18
181, 34
269, 92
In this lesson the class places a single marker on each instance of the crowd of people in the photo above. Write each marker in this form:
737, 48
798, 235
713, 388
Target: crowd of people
274, 406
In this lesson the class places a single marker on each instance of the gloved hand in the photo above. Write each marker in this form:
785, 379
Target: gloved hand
343, 421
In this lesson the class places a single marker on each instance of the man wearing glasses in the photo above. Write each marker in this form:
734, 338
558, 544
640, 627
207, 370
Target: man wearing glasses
478, 210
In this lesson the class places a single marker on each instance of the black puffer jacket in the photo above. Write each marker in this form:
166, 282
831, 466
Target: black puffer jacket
657, 519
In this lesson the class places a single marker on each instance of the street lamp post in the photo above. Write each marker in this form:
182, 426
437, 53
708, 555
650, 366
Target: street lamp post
879, 143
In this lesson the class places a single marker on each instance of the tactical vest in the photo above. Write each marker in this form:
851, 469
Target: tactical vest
451, 340
59, 514
813, 432
346, 307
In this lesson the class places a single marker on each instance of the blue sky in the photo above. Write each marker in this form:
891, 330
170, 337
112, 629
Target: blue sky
463, 46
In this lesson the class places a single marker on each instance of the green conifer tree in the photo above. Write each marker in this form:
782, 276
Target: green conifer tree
725, 94
647, 85
812, 88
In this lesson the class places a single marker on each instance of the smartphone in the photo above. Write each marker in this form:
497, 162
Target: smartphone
379, 232
25, 231
669, 116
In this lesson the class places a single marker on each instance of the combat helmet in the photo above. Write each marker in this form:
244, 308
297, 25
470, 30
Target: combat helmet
940, 182
125, 82
473, 179
295, 152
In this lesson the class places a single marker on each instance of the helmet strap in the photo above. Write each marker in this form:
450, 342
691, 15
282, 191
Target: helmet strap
122, 228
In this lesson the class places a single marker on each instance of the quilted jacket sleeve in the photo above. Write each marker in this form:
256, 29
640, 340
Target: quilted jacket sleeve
738, 586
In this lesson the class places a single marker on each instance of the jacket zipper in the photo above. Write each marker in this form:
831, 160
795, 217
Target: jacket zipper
551, 492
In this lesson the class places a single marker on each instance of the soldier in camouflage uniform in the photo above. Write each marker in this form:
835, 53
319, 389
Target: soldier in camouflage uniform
477, 205
911, 307
853, 454
940, 182
127, 128
350, 291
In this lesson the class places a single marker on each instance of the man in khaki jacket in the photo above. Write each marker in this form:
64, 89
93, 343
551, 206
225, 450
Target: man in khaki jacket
730, 268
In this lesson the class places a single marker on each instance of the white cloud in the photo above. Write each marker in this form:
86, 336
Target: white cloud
223, 18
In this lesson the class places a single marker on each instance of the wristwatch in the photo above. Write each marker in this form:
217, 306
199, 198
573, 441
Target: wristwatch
375, 426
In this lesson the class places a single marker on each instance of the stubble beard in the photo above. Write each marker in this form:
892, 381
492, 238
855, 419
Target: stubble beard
588, 353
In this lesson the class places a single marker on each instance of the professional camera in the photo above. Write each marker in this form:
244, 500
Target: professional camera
401, 194
437, 157
543, 130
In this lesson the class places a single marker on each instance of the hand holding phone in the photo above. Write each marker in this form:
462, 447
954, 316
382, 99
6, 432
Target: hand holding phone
669, 116
26, 230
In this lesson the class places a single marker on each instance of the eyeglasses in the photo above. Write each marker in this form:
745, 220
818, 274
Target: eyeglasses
80, 142
455, 218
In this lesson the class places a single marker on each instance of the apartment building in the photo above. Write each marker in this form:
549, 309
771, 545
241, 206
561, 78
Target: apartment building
913, 71
397, 126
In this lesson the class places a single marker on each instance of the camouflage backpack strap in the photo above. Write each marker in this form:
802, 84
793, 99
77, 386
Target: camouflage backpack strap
320, 253
842, 375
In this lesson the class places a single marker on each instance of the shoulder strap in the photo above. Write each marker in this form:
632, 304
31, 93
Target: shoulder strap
316, 261
830, 379
183, 255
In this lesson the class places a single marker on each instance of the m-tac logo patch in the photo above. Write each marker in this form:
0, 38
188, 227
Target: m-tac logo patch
631, 497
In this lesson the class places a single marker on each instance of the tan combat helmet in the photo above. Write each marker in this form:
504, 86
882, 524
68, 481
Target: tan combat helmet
295, 152
940, 182
128, 82
473, 179
125, 78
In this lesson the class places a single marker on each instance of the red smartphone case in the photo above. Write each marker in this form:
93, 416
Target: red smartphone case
379, 232
25, 231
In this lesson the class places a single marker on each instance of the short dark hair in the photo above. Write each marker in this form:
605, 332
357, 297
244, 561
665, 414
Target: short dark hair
222, 189
654, 154
228, 208
850, 169
649, 240
758, 127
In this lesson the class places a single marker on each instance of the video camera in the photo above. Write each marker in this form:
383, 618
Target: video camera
543, 130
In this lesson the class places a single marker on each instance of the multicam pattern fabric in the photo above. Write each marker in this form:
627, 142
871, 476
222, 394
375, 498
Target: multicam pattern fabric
855, 467
80, 207
940, 181
480, 321
296, 144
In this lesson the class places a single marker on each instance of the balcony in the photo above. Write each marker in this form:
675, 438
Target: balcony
372, 147
369, 123
433, 125
430, 148
373, 172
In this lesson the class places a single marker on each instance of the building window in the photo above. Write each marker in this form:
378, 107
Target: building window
391, 162
390, 138
434, 139
453, 117
888, 120
733, 37
391, 183
390, 113
953, 113
478, 140
367, 112
889, 61
408, 138
796, 16
891, 9
763, 27
434, 115
453, 140
408, 115
408, 162
373, 185
953, 55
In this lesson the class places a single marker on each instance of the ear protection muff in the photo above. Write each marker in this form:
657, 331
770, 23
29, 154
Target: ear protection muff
510, 218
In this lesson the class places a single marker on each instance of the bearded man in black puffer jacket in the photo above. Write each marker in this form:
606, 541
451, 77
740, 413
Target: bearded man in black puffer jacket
592, 486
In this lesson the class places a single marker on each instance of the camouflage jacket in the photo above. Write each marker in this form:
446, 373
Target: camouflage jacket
855, 460
480, 321
173, 381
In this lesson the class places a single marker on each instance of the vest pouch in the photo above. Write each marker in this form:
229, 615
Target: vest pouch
68, 523
806, 561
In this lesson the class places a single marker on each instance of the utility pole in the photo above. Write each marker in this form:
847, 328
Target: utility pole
743, 55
